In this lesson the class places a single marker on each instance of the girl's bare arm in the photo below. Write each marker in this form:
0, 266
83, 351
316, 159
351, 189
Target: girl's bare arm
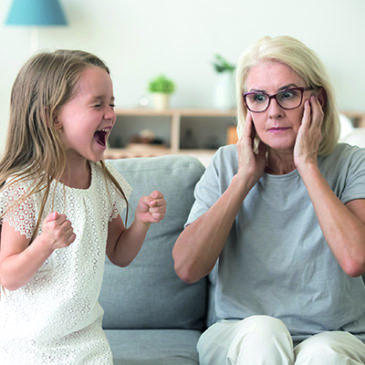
124, 244
19, 260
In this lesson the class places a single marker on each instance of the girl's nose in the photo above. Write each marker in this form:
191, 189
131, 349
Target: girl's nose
109, 113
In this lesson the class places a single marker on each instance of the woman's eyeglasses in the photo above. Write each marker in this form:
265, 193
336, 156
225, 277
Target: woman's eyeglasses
258, 101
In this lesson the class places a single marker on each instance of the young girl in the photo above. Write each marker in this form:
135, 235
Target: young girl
60, 211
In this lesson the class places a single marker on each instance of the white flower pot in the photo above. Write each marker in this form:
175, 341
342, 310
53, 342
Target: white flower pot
224, 91
160, 101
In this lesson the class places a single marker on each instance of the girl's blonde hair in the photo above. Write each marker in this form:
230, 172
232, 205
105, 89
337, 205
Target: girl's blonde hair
34, 150
306, 64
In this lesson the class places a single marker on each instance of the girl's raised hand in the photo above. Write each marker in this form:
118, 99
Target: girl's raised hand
151, 208
57, 230
309, 135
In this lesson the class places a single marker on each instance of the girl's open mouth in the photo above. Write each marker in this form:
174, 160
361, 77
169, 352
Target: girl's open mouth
100, 137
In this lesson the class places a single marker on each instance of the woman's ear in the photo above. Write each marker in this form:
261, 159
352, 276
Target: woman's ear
322, 97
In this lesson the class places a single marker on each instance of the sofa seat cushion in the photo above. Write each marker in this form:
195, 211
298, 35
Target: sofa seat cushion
154, 347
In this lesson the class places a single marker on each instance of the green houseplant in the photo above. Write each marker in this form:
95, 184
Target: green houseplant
161, 88
220, 64
224, 94
161, 84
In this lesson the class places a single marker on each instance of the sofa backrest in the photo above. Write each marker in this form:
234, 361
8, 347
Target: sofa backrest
148, 293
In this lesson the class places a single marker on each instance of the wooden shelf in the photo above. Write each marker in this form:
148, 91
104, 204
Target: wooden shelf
112, 153
175, 118
179, 112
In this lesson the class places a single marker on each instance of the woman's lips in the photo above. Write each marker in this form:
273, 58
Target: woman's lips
278, 129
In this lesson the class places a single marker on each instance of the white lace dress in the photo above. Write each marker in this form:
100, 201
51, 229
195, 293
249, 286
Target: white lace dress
56, 318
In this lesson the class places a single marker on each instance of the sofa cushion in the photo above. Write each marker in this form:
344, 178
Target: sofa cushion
153, 347
148, 293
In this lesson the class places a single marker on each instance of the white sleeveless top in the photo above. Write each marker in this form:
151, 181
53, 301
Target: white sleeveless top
56, 318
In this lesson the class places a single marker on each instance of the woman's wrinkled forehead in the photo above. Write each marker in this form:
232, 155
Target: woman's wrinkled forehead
270, 76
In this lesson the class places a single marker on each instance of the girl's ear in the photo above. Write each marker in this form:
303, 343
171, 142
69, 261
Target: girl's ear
57, 122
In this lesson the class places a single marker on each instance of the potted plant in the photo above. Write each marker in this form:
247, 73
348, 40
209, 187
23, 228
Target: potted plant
161, 88
220, 64
224, 95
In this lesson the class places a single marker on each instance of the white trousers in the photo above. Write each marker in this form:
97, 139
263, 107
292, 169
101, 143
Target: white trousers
263, 340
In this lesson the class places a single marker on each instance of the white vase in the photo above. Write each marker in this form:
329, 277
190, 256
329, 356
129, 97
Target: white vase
160, 101
224, 91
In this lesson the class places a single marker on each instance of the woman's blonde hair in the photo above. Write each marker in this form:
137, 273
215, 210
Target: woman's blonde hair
306, 64
34, 151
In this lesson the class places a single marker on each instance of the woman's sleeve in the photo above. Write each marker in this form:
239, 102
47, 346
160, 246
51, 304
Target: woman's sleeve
355, 177
207, 191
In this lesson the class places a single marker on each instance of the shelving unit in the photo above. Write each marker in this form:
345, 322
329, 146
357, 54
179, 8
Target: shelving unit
209, 129
202, 130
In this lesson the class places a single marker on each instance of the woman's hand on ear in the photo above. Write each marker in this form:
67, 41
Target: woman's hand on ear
309, 135
251, 165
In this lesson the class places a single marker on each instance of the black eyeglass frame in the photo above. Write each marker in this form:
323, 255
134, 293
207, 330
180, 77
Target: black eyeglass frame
274, 96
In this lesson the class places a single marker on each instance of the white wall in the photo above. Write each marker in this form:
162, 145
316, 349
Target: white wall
141, 38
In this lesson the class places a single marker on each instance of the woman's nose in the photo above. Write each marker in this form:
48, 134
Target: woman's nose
274, 109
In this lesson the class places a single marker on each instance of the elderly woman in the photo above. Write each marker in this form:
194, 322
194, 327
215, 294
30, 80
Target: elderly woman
279, 221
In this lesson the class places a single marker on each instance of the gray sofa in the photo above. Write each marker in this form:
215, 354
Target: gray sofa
151, 316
